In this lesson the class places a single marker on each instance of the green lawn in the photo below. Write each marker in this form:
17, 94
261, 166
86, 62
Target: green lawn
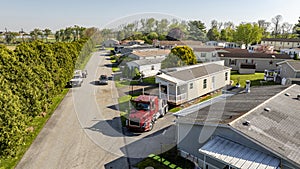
254, 78
167, 160
149, 80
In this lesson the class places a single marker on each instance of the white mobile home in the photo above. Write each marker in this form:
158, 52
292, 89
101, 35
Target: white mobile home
188, 83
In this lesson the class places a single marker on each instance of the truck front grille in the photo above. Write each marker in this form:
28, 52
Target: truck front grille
134, 122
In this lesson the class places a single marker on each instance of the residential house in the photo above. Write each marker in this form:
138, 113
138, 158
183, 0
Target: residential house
259, 61
206, 54
180, 85
290, 71
291, 51
259, 129
110, 43
261, 49
149, 54
280, 43
223, 44
148, 67
132, 42
171, 44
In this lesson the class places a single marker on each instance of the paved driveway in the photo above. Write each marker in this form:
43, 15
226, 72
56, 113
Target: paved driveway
85, 131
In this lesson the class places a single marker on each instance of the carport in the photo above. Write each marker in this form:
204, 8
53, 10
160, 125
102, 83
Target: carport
236, 155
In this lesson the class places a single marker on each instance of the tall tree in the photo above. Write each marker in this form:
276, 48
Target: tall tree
47, 32
265, 26
196, 30
297, 28
276, 21
247, 33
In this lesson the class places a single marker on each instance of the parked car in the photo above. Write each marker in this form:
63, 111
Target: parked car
76, 81
103, 80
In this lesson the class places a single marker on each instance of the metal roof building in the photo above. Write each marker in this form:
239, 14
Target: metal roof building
260, 129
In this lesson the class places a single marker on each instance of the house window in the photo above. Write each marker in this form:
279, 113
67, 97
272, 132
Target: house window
191, 85
152, 67
204, 83
232, 61
226, 76
288, 43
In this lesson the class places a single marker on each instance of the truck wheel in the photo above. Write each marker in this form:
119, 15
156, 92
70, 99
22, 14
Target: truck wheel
163, 113
151, 126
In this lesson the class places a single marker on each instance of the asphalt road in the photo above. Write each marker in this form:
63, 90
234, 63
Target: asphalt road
85, 131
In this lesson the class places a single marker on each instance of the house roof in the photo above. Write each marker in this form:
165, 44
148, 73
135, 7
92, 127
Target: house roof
196, 72
237, 155
232, 50
205, 49
294, 64
172, 43
275, 124
147, 61
254, 55
151, 53
280, 40
225, 111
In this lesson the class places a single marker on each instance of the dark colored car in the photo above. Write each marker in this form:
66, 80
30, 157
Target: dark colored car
103, 79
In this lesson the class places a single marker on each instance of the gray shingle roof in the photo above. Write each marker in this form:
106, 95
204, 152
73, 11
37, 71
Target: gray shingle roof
295, 65
196, 72
279, 128
147, 61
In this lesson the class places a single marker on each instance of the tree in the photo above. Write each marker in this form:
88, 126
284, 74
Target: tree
175, 34
286, 29
162, 26
47, 32
35, 34
297, 28
196, 30
10, 37
179, 56
247, 33
276, 21
264, 26
213, 34
152, 35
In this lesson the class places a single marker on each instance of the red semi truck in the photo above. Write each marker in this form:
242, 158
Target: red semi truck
147, 109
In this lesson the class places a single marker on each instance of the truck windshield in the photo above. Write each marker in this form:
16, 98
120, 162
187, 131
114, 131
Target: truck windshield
142, 106
102, 77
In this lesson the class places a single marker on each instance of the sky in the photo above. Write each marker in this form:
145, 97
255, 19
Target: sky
57, 14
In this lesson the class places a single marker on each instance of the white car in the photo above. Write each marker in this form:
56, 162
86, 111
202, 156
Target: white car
76, 81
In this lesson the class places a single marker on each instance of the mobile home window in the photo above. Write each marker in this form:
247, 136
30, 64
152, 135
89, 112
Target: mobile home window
191, 85
203, 54
204, 83
226, 75
152, 67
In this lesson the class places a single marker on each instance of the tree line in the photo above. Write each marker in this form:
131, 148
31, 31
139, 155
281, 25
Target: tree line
68, 34
247, 33
31, 76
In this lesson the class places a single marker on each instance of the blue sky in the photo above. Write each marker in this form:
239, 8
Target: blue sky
56, 14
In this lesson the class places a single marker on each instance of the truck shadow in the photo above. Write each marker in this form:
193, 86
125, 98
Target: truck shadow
154, 143
112, 128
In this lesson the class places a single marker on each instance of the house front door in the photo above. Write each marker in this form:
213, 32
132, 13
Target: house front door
213, 84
